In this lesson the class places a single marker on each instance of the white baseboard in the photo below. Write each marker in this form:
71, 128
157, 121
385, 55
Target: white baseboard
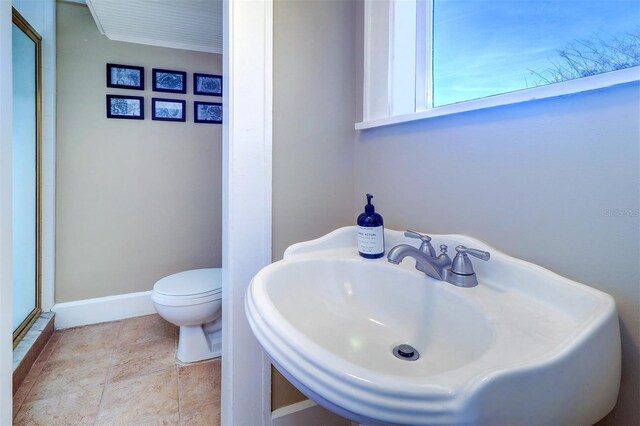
102, 309
306, 413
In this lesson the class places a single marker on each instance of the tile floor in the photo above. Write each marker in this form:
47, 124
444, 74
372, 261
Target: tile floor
118, 373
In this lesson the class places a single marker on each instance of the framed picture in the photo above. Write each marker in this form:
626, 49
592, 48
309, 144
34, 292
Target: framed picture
125, 77
207, 112
168, 109
207, 84
169, 81
129, 107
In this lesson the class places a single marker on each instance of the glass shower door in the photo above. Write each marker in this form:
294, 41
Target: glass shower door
26, 175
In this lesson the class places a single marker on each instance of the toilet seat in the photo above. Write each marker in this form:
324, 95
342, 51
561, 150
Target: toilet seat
184, 301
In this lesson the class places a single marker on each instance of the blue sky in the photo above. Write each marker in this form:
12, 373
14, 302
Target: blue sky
486, 47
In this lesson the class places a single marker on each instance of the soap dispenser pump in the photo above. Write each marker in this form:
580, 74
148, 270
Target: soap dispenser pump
370, 232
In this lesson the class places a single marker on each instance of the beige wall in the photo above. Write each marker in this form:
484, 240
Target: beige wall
313, 116
136, 199
537, 181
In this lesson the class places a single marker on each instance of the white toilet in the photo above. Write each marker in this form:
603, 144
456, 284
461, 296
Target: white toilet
192, 300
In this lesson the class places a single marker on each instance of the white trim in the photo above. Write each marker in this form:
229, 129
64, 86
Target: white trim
160, 43
304, 413
246, 201
48, 149
6, 308
402, 63
103, 309
424, 56
379, 52
579, 85
366, 59
377, 59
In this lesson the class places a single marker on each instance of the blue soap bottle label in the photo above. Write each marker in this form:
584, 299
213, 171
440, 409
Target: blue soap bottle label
371, 239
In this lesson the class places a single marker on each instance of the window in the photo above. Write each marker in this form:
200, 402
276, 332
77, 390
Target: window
433, 57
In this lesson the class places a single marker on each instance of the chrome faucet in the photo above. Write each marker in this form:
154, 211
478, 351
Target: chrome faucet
459, 272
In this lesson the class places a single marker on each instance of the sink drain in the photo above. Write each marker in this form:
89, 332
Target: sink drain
406, 352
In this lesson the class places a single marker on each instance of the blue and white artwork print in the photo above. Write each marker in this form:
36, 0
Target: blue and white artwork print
207, 84
128, 107
131, 107
125, 76
169, 81
168, 109
208, 112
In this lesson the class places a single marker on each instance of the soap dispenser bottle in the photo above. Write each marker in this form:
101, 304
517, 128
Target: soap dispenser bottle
370, 232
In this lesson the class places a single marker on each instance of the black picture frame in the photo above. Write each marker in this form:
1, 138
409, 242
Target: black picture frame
125, 77
207, 84
125, 107
207, 112
168, 109
169, 81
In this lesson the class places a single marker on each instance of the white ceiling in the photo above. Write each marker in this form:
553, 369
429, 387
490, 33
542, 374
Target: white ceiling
180, 24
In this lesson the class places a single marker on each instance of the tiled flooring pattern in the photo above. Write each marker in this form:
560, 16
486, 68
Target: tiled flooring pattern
118, 373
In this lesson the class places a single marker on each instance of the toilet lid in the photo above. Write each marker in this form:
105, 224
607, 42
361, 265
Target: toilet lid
196, 282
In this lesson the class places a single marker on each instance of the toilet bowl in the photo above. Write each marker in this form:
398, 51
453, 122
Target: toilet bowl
192, 300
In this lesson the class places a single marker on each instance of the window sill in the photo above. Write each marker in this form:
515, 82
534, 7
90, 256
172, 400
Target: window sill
543, 92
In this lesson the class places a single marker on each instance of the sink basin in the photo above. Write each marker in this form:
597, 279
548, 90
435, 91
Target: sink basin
525, 346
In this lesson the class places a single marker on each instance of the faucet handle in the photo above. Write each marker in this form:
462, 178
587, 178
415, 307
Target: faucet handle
414, 234
483, 255
462, 264
426, 246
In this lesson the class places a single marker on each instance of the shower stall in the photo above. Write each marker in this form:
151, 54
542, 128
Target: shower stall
26, 148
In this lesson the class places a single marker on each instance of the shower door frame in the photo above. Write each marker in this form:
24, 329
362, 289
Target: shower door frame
30, 32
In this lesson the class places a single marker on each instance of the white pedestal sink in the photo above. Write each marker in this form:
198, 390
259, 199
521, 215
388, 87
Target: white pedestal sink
526, 346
